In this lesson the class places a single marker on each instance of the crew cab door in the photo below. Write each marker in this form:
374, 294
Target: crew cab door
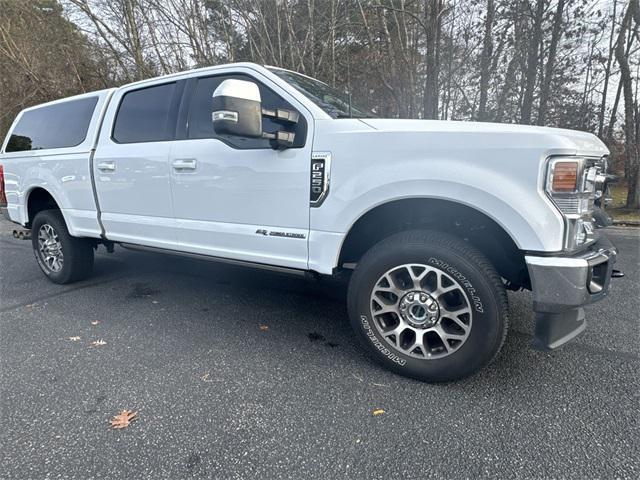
236, 197
131, 165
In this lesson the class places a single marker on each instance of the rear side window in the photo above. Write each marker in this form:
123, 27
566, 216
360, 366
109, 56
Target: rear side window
144, 115
55, 126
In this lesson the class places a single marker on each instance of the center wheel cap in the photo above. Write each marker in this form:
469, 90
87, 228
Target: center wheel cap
419, 309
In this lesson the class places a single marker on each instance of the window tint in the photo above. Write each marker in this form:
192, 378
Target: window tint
201, 125
144, 115
55, 126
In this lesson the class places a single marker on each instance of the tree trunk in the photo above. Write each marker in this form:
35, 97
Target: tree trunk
433, 9
607, 73
533, 55
485, 60
556, 34
630, 131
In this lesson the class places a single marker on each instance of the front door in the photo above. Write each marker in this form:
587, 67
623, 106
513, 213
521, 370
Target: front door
238, 198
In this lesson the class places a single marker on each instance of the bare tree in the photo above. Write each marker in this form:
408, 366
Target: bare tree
533, 57
485, 60
545, 89
630, 115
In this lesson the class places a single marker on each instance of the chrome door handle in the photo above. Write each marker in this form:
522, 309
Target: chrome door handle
107, 166
184, 164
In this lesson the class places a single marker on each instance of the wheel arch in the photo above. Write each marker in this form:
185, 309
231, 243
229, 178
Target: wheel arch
453, 217
37, 200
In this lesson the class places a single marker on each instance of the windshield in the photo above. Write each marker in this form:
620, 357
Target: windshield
332, 101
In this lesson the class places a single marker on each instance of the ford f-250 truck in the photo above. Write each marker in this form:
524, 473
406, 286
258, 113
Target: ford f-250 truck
432, 220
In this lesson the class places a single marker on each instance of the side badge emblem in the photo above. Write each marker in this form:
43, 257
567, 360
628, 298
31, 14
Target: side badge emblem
320, 177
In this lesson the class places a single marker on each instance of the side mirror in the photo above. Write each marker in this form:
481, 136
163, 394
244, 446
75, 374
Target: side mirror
237, 109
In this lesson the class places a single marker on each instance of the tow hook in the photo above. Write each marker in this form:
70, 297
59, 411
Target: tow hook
616, 273
22, 234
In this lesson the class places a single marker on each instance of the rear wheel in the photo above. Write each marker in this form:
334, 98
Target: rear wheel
61, 257
428, 305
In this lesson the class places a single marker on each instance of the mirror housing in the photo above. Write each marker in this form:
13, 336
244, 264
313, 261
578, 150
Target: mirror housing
237, 109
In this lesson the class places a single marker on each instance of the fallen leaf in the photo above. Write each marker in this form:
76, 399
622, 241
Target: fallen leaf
123, 419
264, 328
95, 322
378, 411
74, 339
98, 343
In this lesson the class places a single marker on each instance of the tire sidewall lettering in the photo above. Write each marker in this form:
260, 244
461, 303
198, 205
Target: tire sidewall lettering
462, 280
378, 344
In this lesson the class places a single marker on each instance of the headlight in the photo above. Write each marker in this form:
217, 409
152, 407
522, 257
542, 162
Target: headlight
571, 186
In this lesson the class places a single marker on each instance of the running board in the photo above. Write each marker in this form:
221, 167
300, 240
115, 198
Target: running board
242, 263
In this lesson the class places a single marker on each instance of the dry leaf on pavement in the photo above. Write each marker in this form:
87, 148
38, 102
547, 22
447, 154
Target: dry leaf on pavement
74, 339
378, 411
98, 343
264, 328
123, 419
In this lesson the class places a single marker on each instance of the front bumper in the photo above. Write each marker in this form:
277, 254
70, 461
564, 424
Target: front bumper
561, 286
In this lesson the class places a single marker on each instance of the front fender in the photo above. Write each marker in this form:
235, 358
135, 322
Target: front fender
529, 229
516, 203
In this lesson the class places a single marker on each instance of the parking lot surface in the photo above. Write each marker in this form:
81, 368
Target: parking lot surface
240, 373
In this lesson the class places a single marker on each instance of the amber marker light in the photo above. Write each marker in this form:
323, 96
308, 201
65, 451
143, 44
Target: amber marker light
565, 177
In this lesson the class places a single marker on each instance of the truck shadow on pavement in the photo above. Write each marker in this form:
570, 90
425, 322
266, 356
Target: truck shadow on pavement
206, 302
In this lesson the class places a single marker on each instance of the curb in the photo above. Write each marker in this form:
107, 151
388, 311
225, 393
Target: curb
626, 223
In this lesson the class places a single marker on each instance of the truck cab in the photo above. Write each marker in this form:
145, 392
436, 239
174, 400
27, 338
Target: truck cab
432, 221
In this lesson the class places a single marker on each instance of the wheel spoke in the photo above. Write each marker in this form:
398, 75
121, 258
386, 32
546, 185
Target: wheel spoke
455, 316
386, 309
395, 332
392, 288
417, 279
448, 336
440, 288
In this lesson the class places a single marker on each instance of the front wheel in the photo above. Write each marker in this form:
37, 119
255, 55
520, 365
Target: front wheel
61, 257
428, 305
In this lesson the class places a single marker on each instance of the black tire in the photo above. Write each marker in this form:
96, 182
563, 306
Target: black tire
77, 253
601, 218
479, 286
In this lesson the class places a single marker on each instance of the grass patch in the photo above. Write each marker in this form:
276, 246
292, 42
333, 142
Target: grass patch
617, 209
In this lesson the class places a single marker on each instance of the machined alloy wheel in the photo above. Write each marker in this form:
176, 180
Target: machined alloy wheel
428, 305
421, 311
61, 257
50, 248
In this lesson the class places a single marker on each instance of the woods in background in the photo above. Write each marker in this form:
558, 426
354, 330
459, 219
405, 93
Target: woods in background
567, 63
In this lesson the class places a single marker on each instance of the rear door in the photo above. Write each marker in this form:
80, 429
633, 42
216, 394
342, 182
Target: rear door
131, 165
237, 197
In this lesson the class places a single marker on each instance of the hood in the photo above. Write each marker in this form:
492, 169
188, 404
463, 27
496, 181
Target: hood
581, 143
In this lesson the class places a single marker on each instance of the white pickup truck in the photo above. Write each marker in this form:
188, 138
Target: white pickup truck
432, 220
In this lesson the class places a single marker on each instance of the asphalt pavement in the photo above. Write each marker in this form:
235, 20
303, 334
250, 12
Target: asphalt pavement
240, 373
